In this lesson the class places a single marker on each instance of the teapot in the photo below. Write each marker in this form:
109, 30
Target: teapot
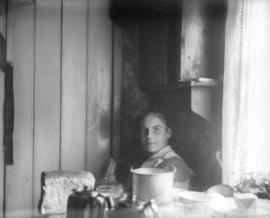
88, 204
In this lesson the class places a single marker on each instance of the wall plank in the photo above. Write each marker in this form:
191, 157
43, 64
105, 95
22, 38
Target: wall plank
117, 79
99, 85
19, 178
47, 90
1, 139
2, 92
74, 62
203, 26
193, 41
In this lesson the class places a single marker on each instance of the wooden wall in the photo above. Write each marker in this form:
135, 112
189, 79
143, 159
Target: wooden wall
61, 51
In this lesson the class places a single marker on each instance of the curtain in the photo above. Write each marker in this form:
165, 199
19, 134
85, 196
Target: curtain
246, 92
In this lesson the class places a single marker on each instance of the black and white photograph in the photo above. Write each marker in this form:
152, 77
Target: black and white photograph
134, 108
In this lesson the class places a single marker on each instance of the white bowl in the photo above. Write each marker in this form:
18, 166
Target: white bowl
152, 183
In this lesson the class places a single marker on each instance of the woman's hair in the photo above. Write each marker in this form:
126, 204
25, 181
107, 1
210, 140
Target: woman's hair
154, 112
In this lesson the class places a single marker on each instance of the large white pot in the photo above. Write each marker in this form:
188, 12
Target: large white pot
152, 183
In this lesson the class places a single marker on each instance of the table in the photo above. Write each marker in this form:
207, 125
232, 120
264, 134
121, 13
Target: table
177, 212
30, 214
174, 210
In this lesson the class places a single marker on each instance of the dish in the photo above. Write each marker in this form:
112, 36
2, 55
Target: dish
193, 196
227, 206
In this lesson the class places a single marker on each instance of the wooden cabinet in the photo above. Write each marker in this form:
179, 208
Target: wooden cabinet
179, 40
185, 44
159, 39
159, 47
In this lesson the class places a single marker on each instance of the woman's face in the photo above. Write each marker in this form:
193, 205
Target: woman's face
154, 133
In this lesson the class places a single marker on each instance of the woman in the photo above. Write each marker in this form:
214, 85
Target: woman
154, 135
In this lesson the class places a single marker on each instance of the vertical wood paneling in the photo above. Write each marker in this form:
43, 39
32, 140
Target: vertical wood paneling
2, 77
99, 85
19, 178
1, 144
47, 89
62, 85
117, 79
74, 66
193, 40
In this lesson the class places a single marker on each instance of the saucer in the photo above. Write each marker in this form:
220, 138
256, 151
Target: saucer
195, 197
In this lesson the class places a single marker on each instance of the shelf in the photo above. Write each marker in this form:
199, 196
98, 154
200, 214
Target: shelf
201, 82
204, 82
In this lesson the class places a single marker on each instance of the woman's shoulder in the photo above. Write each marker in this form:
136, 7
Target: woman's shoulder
178, 164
